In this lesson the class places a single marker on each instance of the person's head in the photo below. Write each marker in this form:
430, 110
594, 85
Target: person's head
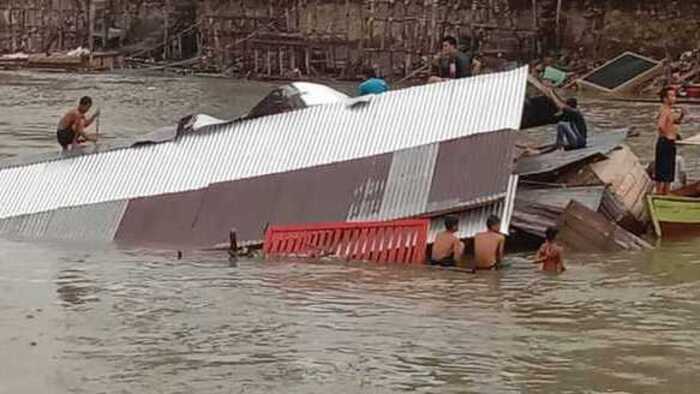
675, 75
84, 104
451, 223
572, 102
493, 223
550, 234
668, 95
449, 45
371, 72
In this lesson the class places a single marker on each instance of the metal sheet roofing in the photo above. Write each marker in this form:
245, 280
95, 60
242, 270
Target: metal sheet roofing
273, 144
387, 186
380, 187
598, 144
589, 196
97, 222
449, 176
473, 221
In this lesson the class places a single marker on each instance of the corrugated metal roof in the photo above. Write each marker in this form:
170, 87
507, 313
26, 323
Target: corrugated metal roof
97, 222
406, 190
598, 145
473, 221
589, 196
387, 186
453, 174
537, 209
310, 137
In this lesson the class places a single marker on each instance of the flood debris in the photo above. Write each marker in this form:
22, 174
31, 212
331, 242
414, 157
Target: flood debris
606, 181
536, 209
394, 241
584, 230
77, 60
622, 74
628, 180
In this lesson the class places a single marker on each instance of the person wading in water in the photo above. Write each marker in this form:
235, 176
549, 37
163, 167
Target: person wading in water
71, 127
667, 125
447, 248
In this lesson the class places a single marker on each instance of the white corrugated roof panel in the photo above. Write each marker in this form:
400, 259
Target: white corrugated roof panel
314, 136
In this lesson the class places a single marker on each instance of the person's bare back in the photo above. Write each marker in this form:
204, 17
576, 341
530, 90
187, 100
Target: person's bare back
447, 245
70, 120
488, 249
489, 245
447, 248
71, 127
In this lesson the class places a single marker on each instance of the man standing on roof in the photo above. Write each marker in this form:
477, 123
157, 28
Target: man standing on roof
667, 125
71, 127
450, 63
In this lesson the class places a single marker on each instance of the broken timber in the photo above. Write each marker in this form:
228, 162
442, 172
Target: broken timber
584, 230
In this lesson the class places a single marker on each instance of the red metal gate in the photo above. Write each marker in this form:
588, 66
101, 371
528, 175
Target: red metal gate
399, 241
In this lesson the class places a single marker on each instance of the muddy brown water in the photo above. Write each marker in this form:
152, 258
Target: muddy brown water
80, 318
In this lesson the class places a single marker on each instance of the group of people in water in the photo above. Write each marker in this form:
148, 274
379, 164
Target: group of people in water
489, 245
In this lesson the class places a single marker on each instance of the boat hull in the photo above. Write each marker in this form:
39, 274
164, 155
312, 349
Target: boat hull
675, 216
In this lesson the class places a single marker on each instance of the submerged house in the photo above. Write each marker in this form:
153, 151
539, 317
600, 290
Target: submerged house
419, 152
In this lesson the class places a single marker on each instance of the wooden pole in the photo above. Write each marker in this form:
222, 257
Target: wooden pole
13, 40
91, 28
166, 27
105, 27
558, 24
535, 27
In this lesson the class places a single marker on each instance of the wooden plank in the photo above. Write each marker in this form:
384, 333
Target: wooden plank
584, 230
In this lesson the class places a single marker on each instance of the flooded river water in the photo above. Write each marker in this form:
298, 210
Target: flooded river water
80, 318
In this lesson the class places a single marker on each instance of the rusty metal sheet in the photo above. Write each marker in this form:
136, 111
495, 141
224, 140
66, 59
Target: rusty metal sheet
388, 186
472, 171
319, 194
405, 192
166, 219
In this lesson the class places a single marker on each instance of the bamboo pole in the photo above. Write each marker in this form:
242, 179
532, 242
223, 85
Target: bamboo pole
91, 28
166, 27
558, 24
13, 39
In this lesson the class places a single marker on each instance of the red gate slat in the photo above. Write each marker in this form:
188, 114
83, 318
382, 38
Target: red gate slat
400, 241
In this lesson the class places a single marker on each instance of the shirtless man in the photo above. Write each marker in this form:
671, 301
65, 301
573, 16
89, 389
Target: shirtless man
447, 248
550, 256
667, 126
489, 245
73, 124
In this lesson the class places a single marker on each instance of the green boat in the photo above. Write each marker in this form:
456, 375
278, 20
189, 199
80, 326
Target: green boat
675, 216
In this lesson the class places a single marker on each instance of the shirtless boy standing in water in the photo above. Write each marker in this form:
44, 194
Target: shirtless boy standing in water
72, 125
447, 248
550, 256
489, 245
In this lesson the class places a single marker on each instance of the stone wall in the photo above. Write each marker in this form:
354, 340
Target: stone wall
652, 27
333, 36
